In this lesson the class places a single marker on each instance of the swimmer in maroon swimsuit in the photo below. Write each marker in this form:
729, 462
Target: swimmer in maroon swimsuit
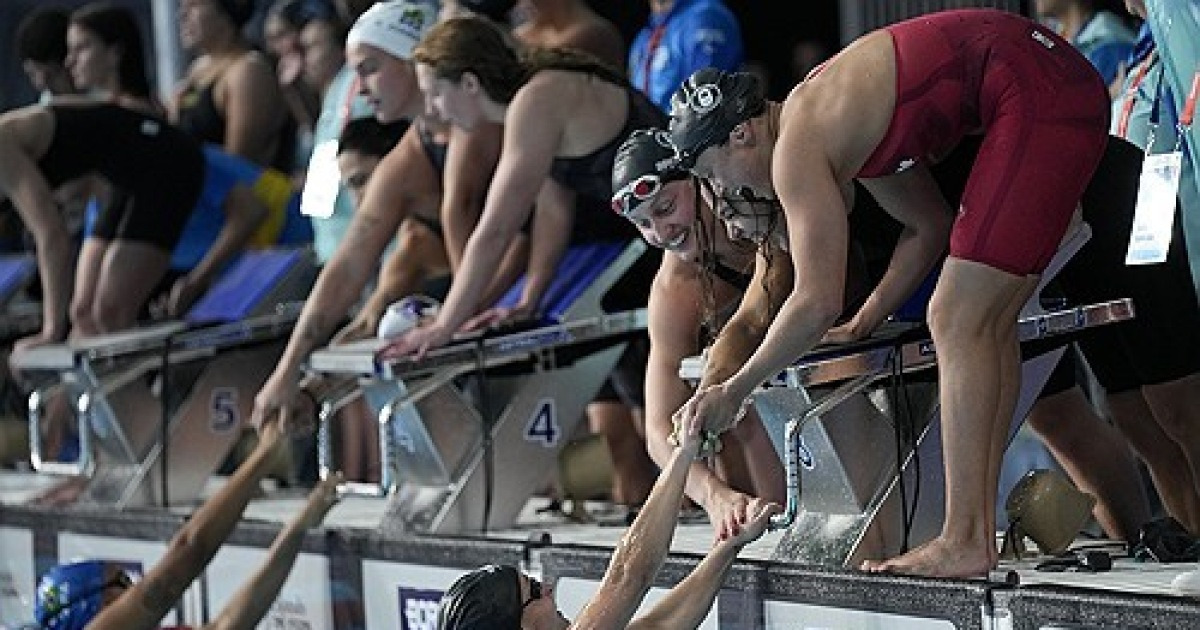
878, 112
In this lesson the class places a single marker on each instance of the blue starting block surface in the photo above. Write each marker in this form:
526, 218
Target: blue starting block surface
239, 307
15, 272
579, 268
242, 289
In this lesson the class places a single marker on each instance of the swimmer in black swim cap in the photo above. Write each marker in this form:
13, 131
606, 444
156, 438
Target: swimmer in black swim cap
498, 597
502, 598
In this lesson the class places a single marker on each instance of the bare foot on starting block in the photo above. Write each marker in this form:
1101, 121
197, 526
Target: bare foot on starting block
938, 558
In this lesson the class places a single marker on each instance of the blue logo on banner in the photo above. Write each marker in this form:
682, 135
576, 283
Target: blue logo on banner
418, 608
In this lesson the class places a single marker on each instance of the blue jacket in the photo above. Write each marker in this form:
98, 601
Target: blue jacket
695, 34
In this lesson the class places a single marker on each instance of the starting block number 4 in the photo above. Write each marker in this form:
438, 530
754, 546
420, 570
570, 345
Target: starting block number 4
543, 427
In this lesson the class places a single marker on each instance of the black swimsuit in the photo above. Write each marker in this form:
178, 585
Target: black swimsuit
435, 151
590, 176
199, 117
158, 169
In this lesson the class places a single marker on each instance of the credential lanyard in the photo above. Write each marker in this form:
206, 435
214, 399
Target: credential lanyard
1158, 187
652, 45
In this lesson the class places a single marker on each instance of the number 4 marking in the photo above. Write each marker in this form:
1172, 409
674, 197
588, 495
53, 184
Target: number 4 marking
543, 425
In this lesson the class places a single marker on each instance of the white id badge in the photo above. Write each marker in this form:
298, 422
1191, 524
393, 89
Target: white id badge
322, 183
1154, 215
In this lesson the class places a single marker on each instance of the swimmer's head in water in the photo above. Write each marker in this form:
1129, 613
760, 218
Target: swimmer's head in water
70, 595
707, 107
488, 598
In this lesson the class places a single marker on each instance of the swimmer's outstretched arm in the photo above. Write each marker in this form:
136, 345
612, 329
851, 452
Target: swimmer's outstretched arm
686, 605
256, 596
193, 546
388, 198
641, 551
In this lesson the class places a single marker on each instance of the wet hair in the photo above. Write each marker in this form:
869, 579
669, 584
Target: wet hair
116, 26
368, 136
42, 36
488, 598
708, 105
238, 11
477, 45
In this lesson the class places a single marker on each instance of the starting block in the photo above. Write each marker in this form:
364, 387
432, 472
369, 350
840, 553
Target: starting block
196, 375
479, 422
848, 413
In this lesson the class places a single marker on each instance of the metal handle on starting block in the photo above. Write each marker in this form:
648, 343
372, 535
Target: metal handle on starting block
84, 465
325, 464
791, 442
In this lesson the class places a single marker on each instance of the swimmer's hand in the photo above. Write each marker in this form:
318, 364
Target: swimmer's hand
858, 327
323, 496
184, 294
710, 441
717, 407
418, 341
498, 316
280, 402
365, 324
758, 517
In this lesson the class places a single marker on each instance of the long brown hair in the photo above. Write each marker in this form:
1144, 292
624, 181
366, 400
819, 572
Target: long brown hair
502, 65
117, 26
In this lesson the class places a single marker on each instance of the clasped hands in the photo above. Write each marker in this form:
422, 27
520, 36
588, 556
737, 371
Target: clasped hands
714, 408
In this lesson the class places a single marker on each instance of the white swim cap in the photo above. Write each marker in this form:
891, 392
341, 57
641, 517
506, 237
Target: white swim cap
394, 26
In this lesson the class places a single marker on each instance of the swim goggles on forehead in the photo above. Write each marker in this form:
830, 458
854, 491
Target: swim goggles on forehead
635, 192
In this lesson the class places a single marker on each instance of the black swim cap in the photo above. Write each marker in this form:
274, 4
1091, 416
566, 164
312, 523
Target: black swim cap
488, 598
644, 152
708, 106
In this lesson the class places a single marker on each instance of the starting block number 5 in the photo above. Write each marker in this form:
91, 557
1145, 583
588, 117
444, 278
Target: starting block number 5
223, 409
542, 426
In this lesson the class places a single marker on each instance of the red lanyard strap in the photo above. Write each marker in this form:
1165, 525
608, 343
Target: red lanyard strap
1131, 93
655, 37
1189, 106
347, 104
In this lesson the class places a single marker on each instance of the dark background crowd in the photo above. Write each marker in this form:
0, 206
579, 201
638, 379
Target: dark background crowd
811, 28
